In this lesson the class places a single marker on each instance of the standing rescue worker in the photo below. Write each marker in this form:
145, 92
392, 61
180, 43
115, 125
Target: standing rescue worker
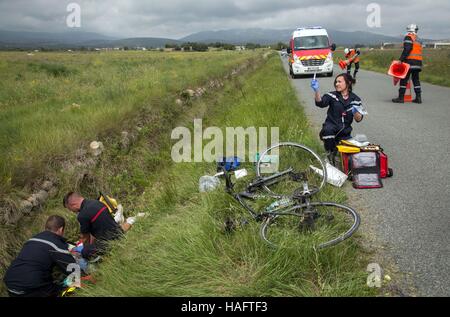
352, 56
412, 55
30, 274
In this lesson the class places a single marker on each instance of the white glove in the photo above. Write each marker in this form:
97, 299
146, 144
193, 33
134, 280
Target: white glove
359, 109
118, 217
131, 220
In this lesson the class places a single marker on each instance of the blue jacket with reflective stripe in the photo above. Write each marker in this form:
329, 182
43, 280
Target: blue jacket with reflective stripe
339, 109
32, 269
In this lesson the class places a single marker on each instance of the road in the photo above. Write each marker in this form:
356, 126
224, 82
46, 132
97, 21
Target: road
411, 213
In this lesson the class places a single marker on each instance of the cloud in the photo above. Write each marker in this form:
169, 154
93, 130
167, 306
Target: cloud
177, 18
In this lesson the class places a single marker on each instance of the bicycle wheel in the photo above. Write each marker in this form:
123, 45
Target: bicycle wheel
284, 156
325, 224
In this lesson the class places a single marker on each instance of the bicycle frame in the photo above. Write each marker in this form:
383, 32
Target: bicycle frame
301, 198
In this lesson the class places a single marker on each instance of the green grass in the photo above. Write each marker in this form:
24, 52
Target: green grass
181, 249
39, 123
436, 63
120, 172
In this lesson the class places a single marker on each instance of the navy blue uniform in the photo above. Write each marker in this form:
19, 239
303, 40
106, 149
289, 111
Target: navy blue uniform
95, 219
338, 124
30, 274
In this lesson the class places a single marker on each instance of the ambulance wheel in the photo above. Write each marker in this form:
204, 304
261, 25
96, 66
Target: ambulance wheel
390, 172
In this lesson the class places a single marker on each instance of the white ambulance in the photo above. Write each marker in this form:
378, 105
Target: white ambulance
310, 51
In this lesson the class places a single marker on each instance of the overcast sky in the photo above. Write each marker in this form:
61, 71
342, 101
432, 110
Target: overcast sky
178, 18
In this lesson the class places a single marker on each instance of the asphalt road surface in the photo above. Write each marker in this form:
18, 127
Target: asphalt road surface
411, 213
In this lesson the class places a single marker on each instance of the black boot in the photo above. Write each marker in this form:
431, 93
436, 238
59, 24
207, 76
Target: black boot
418, 99
331, 156
400, 99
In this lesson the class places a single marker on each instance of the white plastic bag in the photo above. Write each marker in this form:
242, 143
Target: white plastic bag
208, 183
359, 140
240, 173
334, 176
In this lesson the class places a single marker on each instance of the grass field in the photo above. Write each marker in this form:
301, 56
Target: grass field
52, 103
40, 129
436, 63
181, 249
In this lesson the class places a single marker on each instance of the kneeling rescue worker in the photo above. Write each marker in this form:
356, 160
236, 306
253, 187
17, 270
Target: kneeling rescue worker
343, 106
412, 55
30, 274
97, 225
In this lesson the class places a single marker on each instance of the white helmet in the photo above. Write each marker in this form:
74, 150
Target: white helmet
346, 51
412, 28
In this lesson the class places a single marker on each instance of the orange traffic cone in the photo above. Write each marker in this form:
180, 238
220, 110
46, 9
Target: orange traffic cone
398, 69
408, 92
395, 80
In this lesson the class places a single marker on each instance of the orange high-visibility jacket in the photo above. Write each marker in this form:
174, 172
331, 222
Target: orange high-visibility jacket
416, 52
351, 54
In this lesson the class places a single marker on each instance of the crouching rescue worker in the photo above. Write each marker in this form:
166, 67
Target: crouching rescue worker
97, 225
412, 55
352, 56
343, 106
30, 274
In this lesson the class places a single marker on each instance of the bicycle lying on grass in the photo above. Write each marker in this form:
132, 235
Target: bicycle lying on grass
293, 220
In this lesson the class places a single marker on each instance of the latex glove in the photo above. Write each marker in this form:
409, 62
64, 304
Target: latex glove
315, 85
359, 109
67, 282
118, 217
131, 220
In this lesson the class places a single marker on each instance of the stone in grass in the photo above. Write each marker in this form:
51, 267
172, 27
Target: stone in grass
96, 148
38, 198
25, 207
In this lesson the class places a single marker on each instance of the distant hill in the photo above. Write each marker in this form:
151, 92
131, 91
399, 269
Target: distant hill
77, 39
36, 39
269, 36
144, 42
239, 36
359, 37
